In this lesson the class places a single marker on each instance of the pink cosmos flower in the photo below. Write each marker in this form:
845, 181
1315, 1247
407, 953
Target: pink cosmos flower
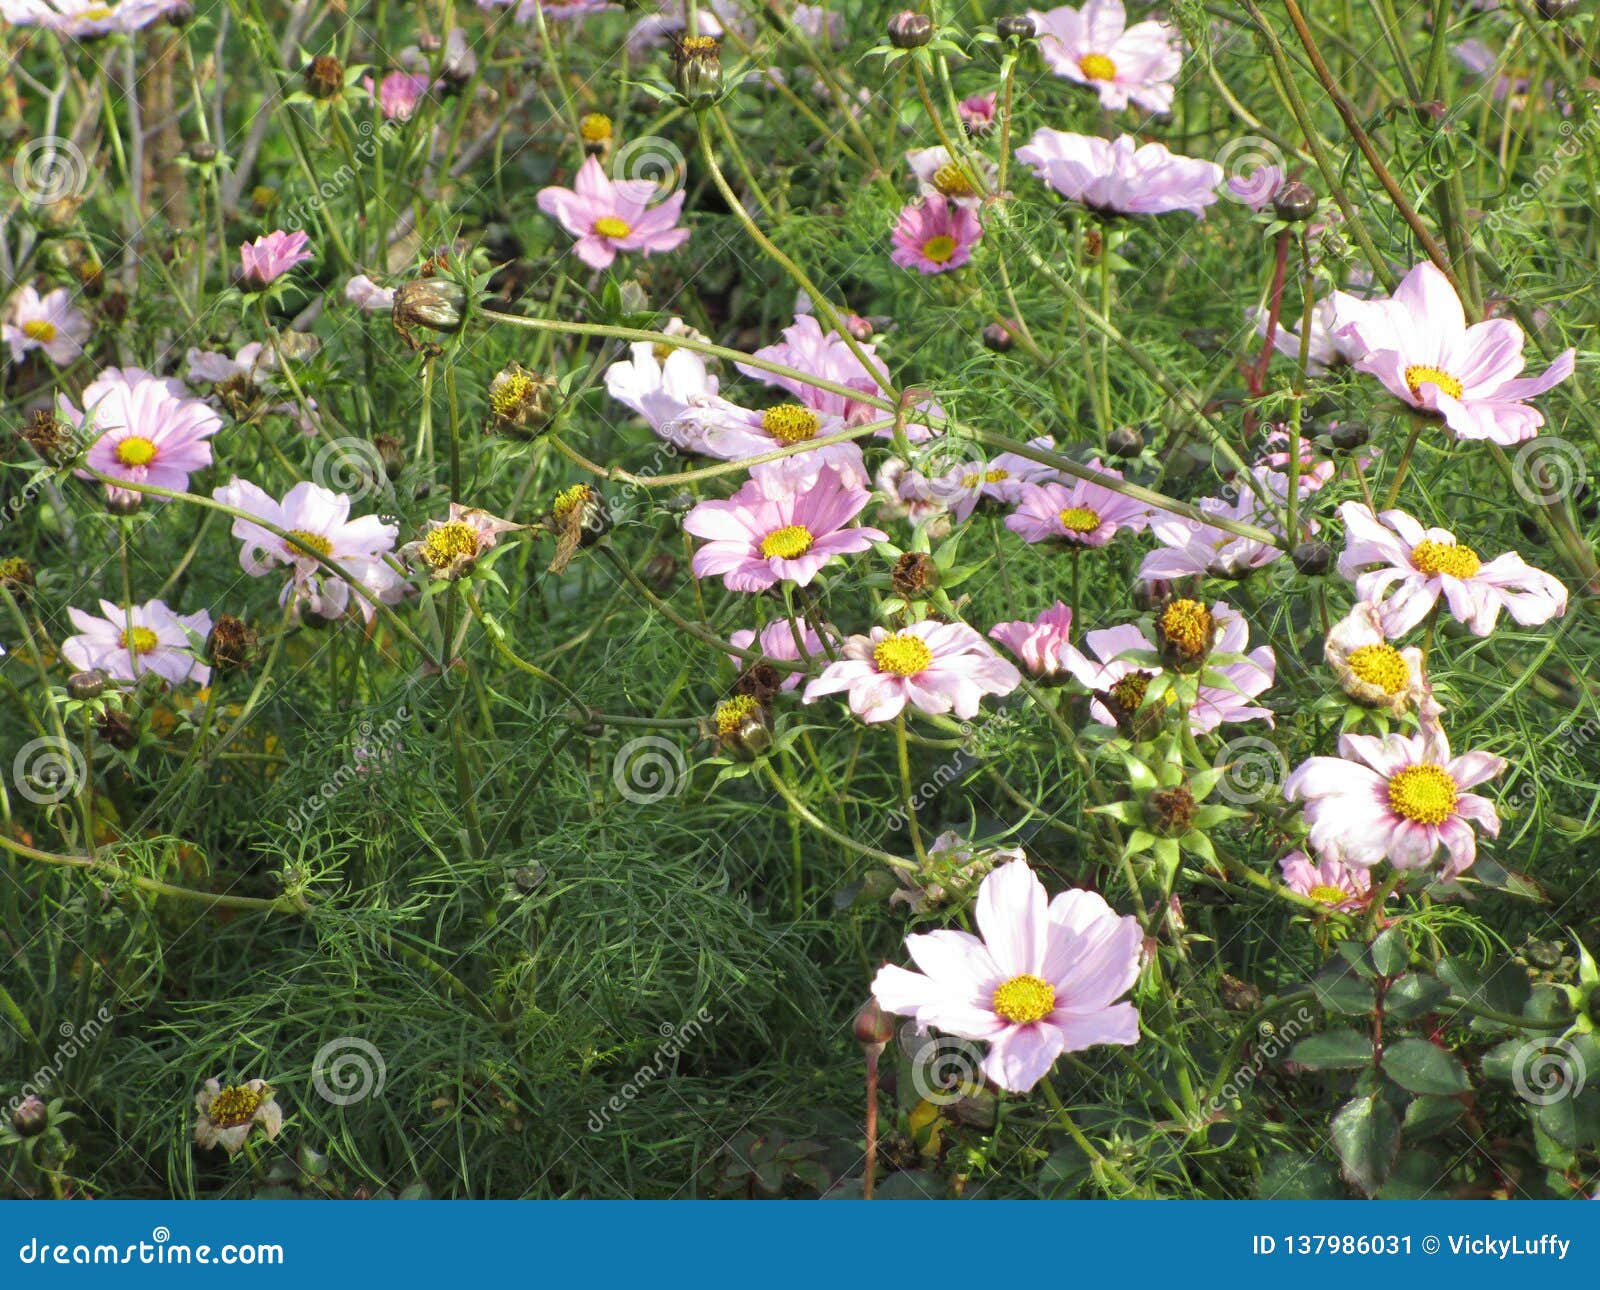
1334, 883
715, 427
1080, 512
939, 175
47, 322
1043, 980
1215, 705
777, 641
935, 667
1043, 644
398, 93
663, 388
269, 258
1095, 46
85, 19
127, 643
933, 236
1122, 177
1192, 549
1004, 479
807, 348
1429, 563
977, 112
1314, 473
905, 493
146, 433
367, 296
320, 519
1257, 188
782, 526
607, 216
1419, 345
1400, 797
1328, 348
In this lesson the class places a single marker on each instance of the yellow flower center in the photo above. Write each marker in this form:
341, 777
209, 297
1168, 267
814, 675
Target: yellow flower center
568, 498
952, 181
939, 249
988, 477
136, 450
39, 330
509, 392
612, 227
98, 13
315, 541
234, 1106
788, 543
1424, 794
1187, 626
450, 542
698, 46
1329, 895
733, 713
1129, 692
1024, 998
595, 128
1080, 519
790, 422
1436, 558
1417, 376
902, 655
1380, 665
1097, 67
141, 640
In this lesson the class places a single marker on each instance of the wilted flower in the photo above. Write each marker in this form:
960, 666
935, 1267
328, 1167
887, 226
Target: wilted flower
522, 401
1043, 980
1094, 46
936, 667
978, 112
47, 322
450, 547
1369, 669
367, 296
228, 1114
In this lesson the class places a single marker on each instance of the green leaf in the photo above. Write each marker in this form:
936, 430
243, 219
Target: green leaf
1366, 1134
1421, 1067
1430, 1114
1417, 1175
1390, 953
1357, 956
1412, 996
1572, 1120
1295, 1177
1333, 1050
1501, 988
1343, 992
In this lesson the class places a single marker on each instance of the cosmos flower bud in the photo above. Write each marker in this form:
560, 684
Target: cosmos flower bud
874, 1027
1125, 441
31, 1118
16, 576
434, 304
1312, 558
1551, 10
231, 644
202, 152
1349, 435
391, 454
84, 686
997, 337
909, 30
50, 437
1170, 811
1184, 632
914, 575
1294, 201
1017, 26
324, 77
697, 69
860, 328
117, 729
521, 404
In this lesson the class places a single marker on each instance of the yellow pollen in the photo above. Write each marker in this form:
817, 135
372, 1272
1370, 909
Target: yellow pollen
321, 545
568, 498
595, 128
1329, 895
1417, 376
902, 655
788, 543
1423, 794
141, 640
510, 393
1434, 558
1024, 998
939, 249
952, 181
1097, 67
733, 713
136, 450
611, 227
790, 423
235, 1106
1130, 691
1187, 625
698, 45
1080, 519
98, 13
451, 541
39, 330
1380, 665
